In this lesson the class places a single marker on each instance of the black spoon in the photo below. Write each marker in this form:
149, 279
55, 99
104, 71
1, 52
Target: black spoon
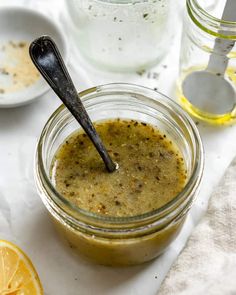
47, 58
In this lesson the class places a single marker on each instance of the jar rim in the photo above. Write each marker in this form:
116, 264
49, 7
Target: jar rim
209, 23
193, 180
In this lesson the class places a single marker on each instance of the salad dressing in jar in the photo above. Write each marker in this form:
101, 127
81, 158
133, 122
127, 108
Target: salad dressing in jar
99, 218
151, 169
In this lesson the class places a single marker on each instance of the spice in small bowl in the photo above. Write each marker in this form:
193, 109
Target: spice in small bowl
16, 69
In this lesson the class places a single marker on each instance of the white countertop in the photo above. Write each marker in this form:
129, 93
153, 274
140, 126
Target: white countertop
24, 219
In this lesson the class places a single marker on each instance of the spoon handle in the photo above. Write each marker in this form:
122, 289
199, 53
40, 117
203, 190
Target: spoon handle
219, 59
47, 58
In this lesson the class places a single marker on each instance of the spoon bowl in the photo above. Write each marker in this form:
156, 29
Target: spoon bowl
209, 92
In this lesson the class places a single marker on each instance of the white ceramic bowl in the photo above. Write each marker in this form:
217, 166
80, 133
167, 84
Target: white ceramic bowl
22, 24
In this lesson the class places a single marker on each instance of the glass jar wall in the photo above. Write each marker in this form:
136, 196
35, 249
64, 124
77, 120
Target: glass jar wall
122, 35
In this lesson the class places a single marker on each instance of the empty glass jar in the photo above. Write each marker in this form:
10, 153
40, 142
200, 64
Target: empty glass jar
122, 35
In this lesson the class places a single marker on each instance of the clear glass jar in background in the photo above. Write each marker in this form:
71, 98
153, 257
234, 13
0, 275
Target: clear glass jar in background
122, 35
202, 26
117, 240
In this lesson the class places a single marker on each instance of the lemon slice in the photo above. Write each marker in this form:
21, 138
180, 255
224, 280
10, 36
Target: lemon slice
17, 273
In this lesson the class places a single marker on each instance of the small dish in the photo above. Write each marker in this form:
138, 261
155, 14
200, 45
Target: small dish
20, 82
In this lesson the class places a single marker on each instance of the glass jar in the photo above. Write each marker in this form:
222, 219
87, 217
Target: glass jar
121, 240
122, 35
208, 47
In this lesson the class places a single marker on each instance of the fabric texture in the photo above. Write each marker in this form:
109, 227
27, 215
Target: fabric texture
207, 265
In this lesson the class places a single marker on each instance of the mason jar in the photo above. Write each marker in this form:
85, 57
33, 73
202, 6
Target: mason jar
122, 35
208, 46
112, 240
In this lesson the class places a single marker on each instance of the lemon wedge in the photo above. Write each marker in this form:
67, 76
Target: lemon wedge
17, 273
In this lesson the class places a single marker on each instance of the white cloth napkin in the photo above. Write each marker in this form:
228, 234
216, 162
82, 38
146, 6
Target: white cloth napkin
207, 265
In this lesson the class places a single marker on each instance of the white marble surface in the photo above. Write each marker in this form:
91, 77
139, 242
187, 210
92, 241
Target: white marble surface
23, 218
